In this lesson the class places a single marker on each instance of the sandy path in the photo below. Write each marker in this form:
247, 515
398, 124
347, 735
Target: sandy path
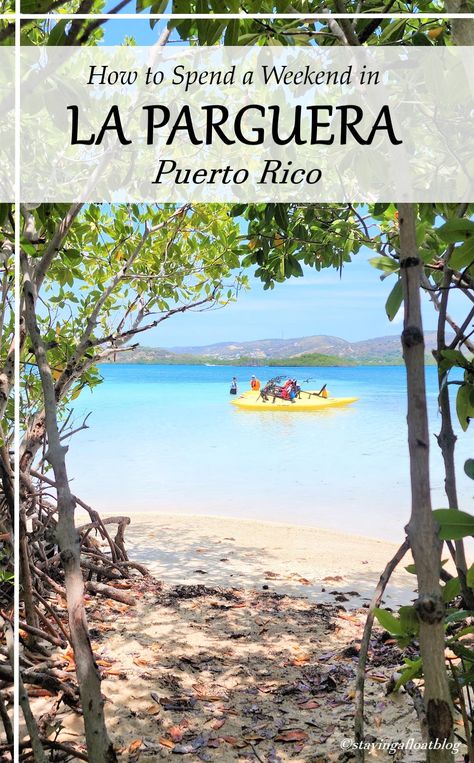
290, 559
243, 647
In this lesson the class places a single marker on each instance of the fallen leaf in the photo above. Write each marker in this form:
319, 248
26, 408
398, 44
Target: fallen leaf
218, 724
302, 660
292, 735
235, 742
209, 693
135, 745
176, 733
166, 742
351, 619
152, 710
311, 704
254, 737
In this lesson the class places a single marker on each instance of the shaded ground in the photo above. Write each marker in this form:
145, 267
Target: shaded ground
217, 674
295, 560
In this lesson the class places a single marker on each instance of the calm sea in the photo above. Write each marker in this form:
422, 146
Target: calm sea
165, 438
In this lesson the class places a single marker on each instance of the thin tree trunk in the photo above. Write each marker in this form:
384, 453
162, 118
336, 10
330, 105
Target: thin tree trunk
26, 583
364, 647
7, 724
463, 29
36, 745
99, 746
463, 34
421, 529
447, 439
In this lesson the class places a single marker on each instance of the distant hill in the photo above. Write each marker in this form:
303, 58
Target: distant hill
378, 348
319, 350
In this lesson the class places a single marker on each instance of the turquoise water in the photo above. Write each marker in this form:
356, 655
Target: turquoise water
166, 438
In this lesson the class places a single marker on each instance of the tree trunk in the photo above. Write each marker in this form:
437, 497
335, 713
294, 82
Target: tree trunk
463, 29
447, 439
421, 529
99, 746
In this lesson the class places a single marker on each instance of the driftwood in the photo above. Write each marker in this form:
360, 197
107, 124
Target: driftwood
48, 743
110, 592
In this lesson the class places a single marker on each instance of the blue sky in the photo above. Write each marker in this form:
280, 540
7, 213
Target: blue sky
116, 30
351, 307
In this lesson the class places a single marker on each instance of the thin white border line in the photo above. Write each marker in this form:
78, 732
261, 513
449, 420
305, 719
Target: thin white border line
17, 293
248, 16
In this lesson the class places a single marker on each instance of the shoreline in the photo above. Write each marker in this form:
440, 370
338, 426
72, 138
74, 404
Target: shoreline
297, 560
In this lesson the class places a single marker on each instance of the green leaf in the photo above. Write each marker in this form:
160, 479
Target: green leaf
461, 651
455, 357
159, 6
389, 622
409, 620
453, 524
469, 468
394, 301
281, 216
451, 590
470, 576
379, 209
465, 405
214, 32
454, 617
462, 256
385, 263
248, 39
456, 230
231, 36
420, 39
413, 670
4, 212
58, 33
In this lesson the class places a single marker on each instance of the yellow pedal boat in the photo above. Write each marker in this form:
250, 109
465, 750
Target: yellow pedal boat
308, 401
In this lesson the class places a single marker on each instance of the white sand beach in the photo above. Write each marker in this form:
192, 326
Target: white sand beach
241, 553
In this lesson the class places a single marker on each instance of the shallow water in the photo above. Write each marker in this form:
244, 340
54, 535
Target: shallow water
166, 438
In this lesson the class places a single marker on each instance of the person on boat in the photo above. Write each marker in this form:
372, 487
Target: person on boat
287, 390
255, 384
292, 390
233, 386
